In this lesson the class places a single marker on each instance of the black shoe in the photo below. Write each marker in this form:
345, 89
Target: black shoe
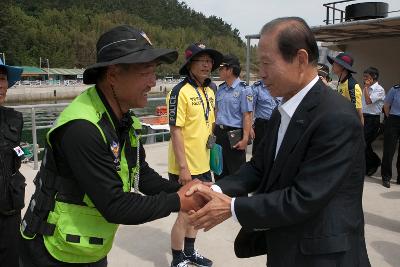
398, 180
386, 183
198, 260
182, 263
371, 171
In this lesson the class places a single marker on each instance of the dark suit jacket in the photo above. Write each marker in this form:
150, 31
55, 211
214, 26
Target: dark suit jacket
307, 206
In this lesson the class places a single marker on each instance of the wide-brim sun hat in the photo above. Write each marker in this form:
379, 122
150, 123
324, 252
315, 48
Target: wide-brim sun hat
13, 73
126, 45
344, 60
196, 49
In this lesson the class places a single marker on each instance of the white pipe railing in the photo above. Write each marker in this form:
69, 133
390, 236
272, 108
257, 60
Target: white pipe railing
35, 127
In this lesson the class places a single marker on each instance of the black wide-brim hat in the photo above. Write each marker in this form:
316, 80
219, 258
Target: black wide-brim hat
344, 60
125, 45
197, 49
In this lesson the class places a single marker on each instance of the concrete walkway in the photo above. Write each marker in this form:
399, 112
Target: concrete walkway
148, 245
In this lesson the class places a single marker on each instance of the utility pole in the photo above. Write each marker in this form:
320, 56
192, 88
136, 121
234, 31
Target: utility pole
48, 69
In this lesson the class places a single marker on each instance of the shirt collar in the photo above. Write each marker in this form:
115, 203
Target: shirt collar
290, 106
375, 85
235, 83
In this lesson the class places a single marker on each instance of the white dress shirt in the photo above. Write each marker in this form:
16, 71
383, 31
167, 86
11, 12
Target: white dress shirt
286, 109
377, 95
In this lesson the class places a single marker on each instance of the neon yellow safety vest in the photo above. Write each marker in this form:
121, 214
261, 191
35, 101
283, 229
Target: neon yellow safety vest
81, 233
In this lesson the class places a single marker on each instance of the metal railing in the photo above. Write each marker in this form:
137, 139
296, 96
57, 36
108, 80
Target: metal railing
332, 9
34, 127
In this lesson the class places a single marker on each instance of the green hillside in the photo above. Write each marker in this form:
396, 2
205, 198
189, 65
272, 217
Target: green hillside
65, 31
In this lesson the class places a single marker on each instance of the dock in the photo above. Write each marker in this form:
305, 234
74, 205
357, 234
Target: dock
148, 245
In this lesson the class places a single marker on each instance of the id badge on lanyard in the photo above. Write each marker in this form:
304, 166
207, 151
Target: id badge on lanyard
205, 109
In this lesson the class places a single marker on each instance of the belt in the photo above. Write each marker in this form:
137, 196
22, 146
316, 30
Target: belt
371, 115
227, 128
261, 120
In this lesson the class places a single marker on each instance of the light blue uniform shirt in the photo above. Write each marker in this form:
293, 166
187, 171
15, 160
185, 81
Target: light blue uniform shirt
264, 103
232, 102
377, 95
393, 99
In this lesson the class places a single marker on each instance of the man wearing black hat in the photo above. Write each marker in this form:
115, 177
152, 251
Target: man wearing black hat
342, 66
234, 115
191, 117
94, 157
12, 182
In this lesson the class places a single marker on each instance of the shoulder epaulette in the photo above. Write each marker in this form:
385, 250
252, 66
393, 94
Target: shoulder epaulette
396, 86
243, 83
257, 83
222, 84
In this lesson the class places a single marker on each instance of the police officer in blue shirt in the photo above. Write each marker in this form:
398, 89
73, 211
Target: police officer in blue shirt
264, 104
391, 134
234, 111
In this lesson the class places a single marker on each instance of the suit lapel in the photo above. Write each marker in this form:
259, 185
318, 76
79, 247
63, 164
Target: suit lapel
298, 124
269, 152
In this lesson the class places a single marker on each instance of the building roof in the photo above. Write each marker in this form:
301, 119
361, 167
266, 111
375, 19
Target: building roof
354, 30
358, 30
32, 71
58, 71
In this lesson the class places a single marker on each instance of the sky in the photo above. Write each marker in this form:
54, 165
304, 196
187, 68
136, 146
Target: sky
248, 16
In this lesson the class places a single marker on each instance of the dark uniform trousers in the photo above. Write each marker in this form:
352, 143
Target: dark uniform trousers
232, 158
371, 129
391, 137
260, 126
9, 232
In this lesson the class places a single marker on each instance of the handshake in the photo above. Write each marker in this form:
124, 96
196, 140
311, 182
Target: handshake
206, 208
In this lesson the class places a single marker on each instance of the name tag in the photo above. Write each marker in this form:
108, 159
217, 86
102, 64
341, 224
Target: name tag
19, 151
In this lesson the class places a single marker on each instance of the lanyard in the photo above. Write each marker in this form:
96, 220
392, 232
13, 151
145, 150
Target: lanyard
206, 110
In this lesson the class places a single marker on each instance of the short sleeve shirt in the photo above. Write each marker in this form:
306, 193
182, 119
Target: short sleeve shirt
232, 102
187, 110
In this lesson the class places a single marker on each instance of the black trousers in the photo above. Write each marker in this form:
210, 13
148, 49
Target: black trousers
34, 254
371, 129
260, 126
9, 239
391, 137
232, 158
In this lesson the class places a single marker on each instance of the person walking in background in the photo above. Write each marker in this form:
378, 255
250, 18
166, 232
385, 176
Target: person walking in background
234, 112
264, 104
342, 66
323, 73
391, 134
12, 182
191, 105
372, 104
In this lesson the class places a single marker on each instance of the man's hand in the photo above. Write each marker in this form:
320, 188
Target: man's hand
241, 145
217, 210
252, 133
184, 176
191, 202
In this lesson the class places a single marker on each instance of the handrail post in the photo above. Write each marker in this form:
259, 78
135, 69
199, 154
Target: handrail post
34, 139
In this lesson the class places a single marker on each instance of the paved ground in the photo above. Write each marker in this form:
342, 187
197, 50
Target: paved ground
148, 245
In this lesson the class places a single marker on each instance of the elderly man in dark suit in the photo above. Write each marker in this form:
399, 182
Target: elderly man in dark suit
307, 175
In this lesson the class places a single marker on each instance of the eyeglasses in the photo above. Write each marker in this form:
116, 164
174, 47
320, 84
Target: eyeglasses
204, 61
